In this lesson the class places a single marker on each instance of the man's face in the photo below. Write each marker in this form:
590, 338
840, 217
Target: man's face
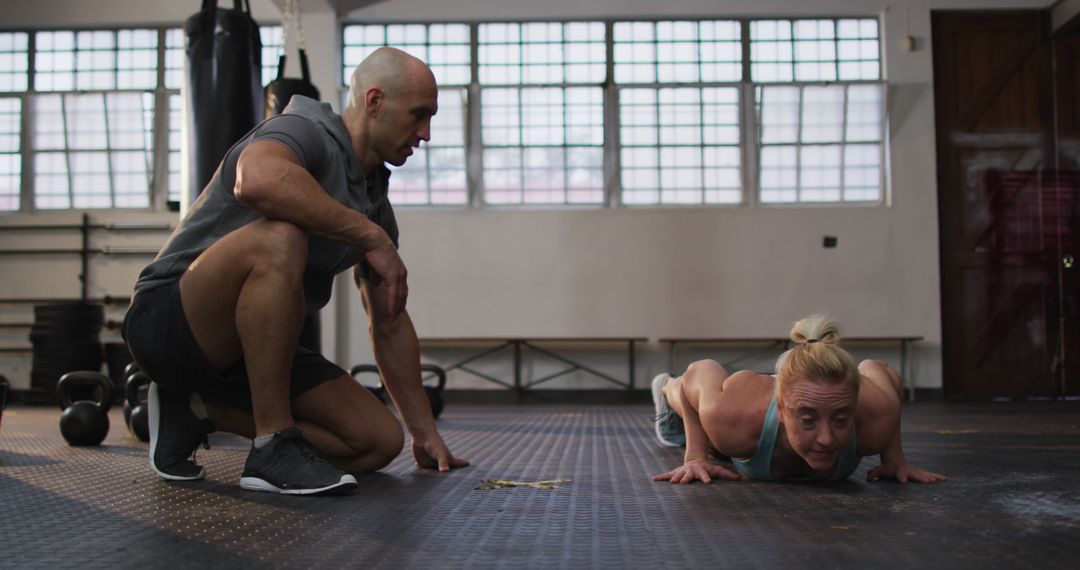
405, 118
819, 420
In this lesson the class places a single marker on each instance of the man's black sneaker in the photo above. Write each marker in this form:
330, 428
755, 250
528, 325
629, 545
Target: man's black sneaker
289, 465
175, 433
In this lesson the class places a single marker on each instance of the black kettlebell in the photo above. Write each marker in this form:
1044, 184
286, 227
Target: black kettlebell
84, 422
130, 369
378, 389
136, 409
434, 393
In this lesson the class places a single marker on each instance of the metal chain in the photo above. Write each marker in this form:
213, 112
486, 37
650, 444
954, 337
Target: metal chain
292, 11
286, 23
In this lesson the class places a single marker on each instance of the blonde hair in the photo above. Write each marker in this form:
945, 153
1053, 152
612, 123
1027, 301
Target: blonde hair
816, 356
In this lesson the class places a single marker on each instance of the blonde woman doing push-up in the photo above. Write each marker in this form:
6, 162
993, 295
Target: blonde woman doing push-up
814, 420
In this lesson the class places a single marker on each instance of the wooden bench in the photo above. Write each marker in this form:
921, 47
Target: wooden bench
780, 344
488, 346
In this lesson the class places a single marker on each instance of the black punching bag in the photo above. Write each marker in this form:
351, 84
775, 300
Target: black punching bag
224, 87
280, 90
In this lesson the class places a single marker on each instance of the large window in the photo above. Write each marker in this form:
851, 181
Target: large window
94, 101
680, 136
590, 113
543, 113
93, 135
693, 112
819, 109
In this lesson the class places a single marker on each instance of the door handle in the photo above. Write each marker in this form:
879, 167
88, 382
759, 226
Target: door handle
1067, 261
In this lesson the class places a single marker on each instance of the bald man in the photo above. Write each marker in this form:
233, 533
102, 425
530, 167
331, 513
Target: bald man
216, 317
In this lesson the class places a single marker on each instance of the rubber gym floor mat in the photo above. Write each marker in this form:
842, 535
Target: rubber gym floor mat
1012, 500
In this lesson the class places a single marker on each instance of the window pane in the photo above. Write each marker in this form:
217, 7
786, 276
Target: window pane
51, 181
823, 114
137, 59
858, 51
502, 175
720, 123
176, 145
638, 117
779, 112
814, 50
539, 53
96, 60
862, 172
90, 179
556, 136
680, 146
680, 117
54, 62
803, 147
174, 58
85, 121
10, 155
543, 117
771, 51
10, 125
131, 179
444, 47
501, 117
677, 51
864, 113
778, 178
48, 122
14, 61
272, 38
819, 174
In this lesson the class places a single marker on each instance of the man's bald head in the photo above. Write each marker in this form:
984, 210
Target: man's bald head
389, 69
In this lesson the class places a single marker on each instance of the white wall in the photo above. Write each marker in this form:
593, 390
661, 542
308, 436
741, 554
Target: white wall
651, 272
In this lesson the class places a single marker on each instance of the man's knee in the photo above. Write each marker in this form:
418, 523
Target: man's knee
389, 446
383, 446
280, 243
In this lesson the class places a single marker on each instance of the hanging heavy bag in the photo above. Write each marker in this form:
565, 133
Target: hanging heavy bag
223, 91
280, 91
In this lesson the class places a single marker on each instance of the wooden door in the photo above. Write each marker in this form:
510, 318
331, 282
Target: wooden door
999, 276
1066, 48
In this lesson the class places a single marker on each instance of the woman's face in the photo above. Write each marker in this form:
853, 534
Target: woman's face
819, 419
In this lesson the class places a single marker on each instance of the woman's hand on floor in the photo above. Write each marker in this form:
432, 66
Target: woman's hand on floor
697, 470
903, 472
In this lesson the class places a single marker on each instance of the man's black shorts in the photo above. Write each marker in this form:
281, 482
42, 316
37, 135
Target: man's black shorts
157, 332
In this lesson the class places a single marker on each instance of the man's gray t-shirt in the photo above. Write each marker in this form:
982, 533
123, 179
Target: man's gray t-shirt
319, 140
